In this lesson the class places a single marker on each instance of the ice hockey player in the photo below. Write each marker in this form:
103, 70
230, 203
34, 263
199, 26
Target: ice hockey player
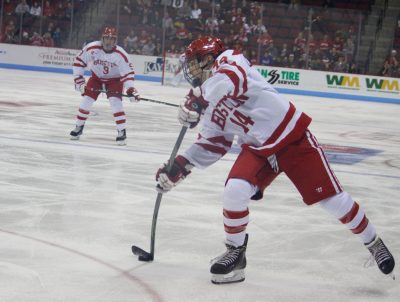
111, 73
235, 100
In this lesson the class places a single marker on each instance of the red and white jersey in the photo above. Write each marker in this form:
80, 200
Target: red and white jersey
243, 104
105, 66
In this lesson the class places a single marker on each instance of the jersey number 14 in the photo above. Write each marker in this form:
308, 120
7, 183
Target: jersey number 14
242, 120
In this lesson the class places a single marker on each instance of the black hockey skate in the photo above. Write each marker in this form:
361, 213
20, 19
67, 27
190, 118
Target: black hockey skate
381, 255
229, 267
77, 132
121, 137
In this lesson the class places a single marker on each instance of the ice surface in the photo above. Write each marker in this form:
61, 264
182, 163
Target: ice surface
70, 210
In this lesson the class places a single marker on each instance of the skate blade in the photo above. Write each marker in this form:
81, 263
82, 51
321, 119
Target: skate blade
74, 138
392, 275
121, 143
232, 277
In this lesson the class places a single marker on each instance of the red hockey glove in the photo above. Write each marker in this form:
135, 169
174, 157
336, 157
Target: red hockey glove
178, 172
133, 94
191, 108
80, 84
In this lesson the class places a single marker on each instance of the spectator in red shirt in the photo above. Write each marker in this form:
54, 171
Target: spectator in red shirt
312, 45
338, 44
8, 8
238, 18
325, 45
299, 44
143, 38
59, 11
241, 37
253, 57
265, 39
182, 33
48, 9
37, 40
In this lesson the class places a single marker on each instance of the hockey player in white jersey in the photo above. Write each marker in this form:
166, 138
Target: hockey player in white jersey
232, 99
112, 73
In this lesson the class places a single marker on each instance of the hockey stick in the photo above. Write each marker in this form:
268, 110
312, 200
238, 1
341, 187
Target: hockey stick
143, 255
155, 101
143, 99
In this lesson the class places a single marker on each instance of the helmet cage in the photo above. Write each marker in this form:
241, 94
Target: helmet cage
109, 39
196, 66
192, 72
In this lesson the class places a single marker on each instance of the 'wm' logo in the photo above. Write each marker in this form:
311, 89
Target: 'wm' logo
343, 81
382, 84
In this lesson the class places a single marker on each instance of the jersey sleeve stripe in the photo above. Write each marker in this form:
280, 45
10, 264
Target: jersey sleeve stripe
282, 126
233, 77
212, 148
220, 140
122, 55
132, 72
241, 70
79, 65
128, 76
80, 60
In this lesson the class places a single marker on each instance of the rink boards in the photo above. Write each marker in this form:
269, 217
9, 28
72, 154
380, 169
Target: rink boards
285, 80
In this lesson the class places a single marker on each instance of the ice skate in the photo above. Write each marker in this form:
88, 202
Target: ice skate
229, 267
382, 256
121, 137
77, 132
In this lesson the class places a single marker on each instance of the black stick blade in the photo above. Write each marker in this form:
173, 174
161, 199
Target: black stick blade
143, 255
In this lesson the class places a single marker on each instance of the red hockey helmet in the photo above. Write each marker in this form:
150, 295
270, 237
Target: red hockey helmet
203, 46
109, 38
197, 63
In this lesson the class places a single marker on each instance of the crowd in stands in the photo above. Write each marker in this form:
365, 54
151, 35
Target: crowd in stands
26, 22
391, 66
279, 35
239, 23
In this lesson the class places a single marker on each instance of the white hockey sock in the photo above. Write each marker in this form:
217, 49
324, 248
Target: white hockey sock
237, 195
84, 110
343, 208
118, 112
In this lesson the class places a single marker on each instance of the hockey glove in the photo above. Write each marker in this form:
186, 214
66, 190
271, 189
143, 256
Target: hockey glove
178, 172
191, 108
80, 84
133, 94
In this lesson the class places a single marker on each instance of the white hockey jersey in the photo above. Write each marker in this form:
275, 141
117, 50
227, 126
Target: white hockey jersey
105, 66
242, 103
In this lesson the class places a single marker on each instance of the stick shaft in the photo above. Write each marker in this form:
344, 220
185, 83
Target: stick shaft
144, 99
159, 195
